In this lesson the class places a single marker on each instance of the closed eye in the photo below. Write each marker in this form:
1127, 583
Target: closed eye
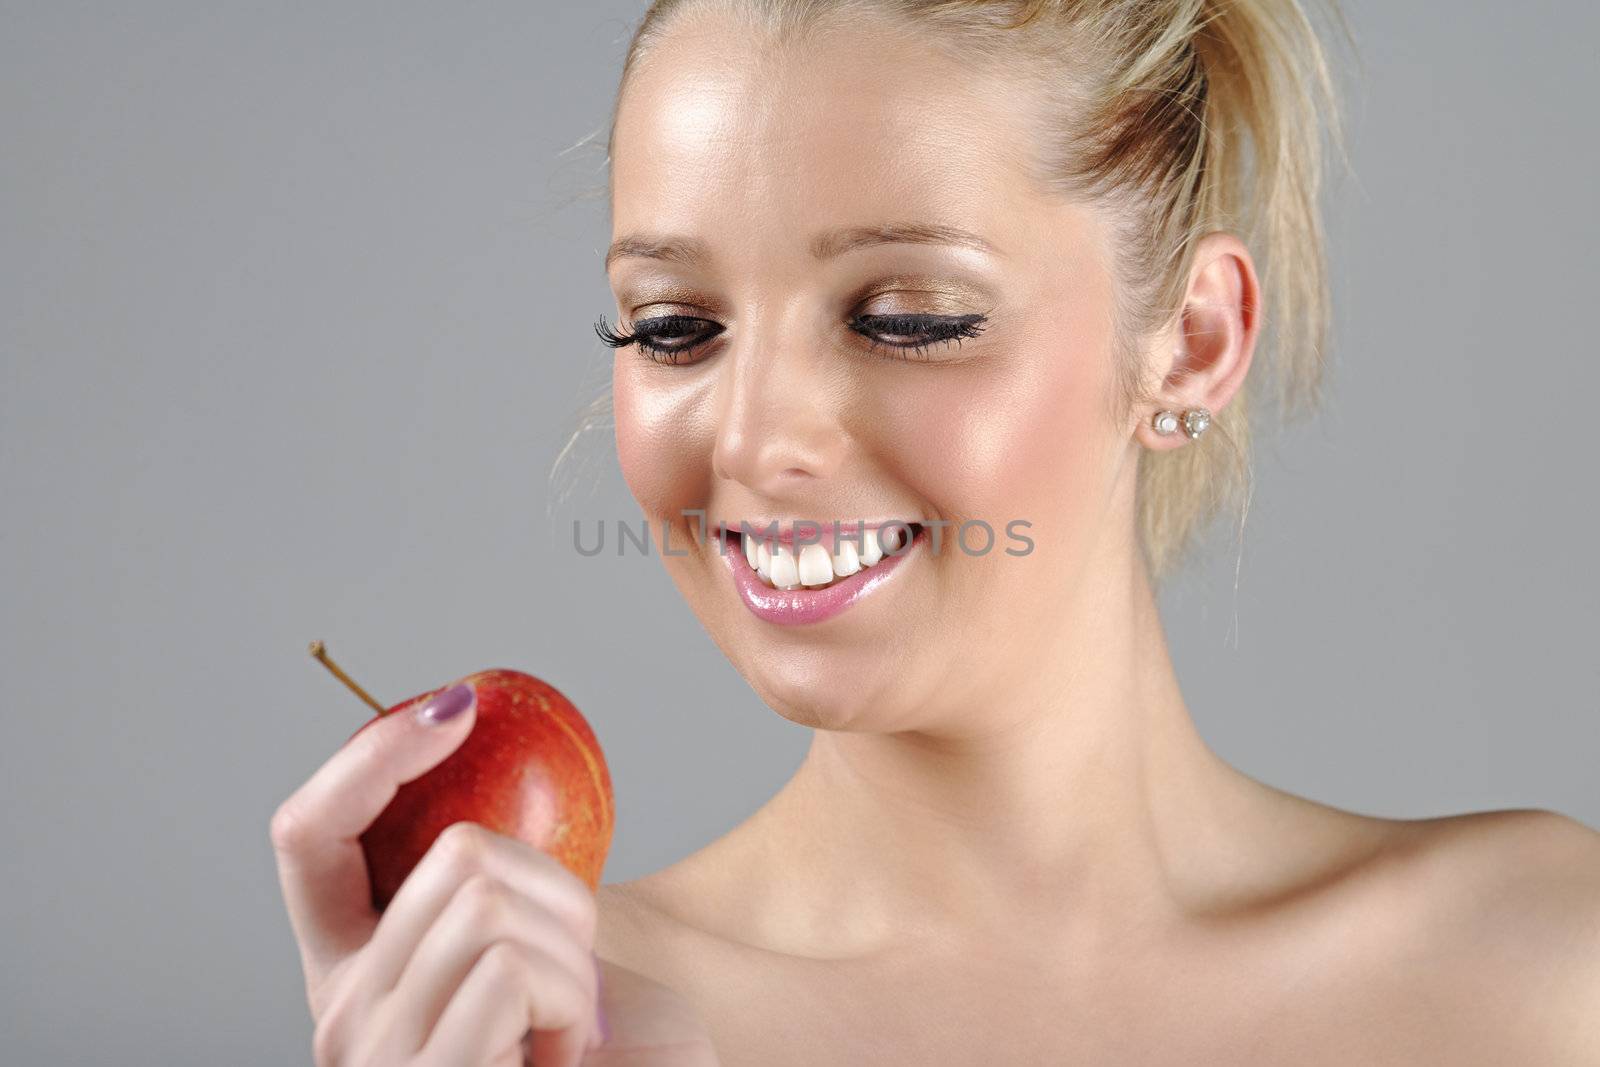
668, 338
662, 338
915, 333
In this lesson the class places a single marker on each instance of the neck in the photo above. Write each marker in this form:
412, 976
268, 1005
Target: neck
1086, 790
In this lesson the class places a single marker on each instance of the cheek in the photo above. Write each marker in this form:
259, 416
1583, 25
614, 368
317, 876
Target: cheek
662, 441
1020, 436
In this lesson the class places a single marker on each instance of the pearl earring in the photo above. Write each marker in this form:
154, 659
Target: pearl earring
1195, 422
1165, 423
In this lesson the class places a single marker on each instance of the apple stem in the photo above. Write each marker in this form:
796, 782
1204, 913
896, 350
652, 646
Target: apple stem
321, 654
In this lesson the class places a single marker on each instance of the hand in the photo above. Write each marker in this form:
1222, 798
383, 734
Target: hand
484, 956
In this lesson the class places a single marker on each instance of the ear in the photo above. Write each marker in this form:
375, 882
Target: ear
1208, 351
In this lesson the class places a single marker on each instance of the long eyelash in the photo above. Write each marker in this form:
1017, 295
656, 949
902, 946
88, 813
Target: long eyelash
612, 337
936, 330
657, 352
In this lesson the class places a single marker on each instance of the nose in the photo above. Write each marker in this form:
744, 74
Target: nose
778, 425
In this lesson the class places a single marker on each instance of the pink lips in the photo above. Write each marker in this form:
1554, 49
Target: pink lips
796, 607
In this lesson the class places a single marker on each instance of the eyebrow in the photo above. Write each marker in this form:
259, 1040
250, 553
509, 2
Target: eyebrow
826, 245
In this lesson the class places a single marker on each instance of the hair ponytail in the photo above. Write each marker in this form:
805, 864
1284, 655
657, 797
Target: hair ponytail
1195, 116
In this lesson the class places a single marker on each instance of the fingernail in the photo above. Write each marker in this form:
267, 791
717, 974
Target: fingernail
445, 705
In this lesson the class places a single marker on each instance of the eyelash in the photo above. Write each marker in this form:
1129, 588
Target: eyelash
936, 329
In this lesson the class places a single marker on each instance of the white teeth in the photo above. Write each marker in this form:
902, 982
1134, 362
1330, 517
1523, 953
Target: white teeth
785, 573
815, 566
871, 550
779, 565
845, 559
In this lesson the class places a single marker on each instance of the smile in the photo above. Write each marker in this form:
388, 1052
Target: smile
790, 586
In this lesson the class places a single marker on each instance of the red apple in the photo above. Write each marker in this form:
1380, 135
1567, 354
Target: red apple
531, 769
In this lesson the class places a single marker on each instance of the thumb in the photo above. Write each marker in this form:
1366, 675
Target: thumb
400, 746
317, 832
403, 744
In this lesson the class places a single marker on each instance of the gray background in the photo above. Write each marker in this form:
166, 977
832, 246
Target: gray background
295, 311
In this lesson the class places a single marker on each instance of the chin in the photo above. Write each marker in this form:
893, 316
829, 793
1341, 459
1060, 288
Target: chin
810, 691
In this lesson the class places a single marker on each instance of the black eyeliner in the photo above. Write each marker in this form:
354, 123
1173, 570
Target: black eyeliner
934, 329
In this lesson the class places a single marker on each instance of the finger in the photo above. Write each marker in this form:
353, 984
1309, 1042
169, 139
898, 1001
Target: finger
508, 990
316, 832
463, 851
483, 913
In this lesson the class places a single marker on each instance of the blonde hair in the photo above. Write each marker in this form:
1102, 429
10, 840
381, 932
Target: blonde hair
1180, 116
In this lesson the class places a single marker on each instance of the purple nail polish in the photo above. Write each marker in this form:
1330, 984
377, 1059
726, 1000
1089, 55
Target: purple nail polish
445, 705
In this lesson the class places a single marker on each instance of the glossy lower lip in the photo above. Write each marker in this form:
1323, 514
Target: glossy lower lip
802, 606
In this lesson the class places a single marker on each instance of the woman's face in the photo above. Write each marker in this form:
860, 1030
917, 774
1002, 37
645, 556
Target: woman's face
767, 164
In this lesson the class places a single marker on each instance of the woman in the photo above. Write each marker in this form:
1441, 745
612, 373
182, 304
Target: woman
936, 268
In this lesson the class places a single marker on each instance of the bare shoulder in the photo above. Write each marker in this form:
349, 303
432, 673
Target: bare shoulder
1537, 869
1505, 911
